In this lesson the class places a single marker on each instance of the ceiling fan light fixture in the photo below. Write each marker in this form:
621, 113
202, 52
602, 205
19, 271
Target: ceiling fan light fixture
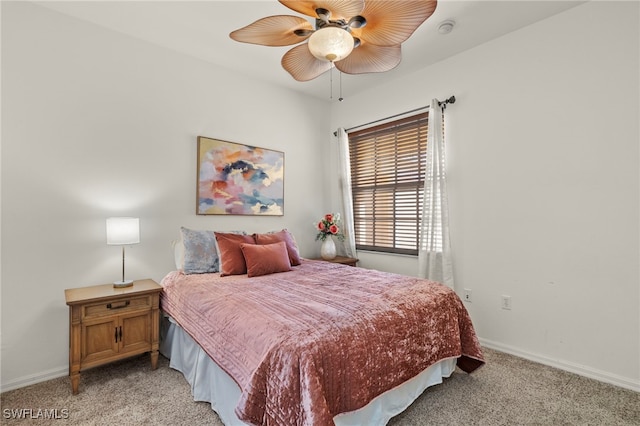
331, 44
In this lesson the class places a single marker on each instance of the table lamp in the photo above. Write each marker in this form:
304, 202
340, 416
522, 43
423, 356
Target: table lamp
123, 231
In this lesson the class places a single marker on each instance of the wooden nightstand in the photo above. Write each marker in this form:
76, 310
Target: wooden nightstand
351, 261
107, 324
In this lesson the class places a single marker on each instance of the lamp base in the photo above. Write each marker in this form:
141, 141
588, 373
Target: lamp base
120, 284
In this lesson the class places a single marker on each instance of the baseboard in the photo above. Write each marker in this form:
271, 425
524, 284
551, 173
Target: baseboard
581, 370
34, 378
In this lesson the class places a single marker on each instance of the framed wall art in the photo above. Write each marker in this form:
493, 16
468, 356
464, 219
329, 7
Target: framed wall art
239, 179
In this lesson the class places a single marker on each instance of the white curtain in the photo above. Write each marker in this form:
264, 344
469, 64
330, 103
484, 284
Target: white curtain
434, 254
347, 200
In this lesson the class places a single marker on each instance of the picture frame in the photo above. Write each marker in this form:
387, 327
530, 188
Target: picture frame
238, 179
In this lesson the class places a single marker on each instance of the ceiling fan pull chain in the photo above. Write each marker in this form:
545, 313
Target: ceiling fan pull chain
331, 82
340, 98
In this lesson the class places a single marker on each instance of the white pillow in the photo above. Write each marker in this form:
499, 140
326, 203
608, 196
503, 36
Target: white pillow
178, 253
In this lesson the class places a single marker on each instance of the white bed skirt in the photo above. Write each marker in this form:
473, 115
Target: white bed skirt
212, 384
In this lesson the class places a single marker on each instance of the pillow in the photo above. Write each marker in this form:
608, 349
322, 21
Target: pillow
231, 259
178, 253
200, 254
284, 235
266, 259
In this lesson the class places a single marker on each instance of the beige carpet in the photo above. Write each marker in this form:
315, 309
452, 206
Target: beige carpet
506, 391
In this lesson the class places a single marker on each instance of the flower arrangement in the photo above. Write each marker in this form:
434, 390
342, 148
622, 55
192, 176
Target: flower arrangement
328, 226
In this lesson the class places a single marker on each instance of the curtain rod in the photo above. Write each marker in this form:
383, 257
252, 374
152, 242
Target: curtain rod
450, 100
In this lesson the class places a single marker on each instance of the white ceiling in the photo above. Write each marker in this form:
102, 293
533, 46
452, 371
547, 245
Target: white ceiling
201, 29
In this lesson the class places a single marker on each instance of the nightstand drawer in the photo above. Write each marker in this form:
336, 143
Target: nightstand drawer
116, 306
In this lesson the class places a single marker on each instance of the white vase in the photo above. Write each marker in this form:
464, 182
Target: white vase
328, 249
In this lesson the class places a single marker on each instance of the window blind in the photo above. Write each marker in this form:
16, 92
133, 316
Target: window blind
387, 183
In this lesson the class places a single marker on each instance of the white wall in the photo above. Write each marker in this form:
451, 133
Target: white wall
98, 124
543, 185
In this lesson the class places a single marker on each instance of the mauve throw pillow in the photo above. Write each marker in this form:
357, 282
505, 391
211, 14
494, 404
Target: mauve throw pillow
265, 259
231, 257
287, 238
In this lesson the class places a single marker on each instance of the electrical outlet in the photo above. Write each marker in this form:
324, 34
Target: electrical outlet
506, 302
467, 295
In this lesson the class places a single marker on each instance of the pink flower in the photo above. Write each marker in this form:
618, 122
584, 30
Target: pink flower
328, 226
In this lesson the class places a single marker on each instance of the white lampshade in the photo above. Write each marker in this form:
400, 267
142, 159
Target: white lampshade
123, 230
331, 44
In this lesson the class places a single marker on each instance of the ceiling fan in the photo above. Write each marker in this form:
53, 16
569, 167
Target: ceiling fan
356, 36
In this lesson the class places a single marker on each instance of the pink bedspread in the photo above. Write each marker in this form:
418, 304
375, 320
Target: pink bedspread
322, 339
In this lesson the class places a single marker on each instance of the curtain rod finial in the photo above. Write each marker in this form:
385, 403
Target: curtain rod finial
451, 100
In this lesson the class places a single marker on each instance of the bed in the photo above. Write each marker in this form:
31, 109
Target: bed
316, 344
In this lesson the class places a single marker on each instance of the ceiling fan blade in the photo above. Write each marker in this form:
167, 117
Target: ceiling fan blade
302, 65
390, 23
370, 58
274, 31
339, 9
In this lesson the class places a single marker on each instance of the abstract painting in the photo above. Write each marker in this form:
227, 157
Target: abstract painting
239, 179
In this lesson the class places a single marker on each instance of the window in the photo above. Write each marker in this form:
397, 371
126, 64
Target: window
387, 184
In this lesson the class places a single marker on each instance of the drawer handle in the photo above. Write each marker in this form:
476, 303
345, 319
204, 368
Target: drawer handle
112, 306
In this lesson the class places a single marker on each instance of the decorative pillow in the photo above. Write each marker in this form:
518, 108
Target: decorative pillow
178, 253
287, 238
200, 254
265, 259
231, 259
